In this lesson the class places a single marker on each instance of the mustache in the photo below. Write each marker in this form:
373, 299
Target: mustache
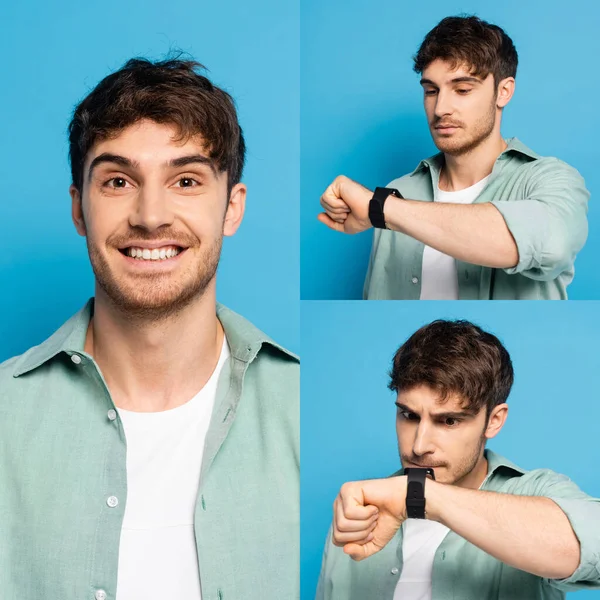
441, 123
122, 240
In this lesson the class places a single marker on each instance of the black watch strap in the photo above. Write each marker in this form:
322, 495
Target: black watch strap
415, 491
380, 195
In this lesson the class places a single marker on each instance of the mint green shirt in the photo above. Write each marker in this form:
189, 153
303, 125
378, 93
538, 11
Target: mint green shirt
544, 203
461, 571
62, 455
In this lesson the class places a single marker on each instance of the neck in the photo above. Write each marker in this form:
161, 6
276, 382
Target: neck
464, 170
152, 365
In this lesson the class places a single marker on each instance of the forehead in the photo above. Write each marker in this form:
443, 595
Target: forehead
423, 399
148, 143
442, 72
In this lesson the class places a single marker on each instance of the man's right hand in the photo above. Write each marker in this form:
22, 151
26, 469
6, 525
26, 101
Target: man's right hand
346, 205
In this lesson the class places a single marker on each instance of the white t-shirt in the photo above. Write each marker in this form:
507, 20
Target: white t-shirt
157, 553
439, 279
420, 541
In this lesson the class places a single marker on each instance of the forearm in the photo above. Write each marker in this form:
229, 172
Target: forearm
474, 233
529, 533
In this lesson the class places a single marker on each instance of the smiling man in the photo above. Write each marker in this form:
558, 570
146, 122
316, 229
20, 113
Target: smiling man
150, 446
486, 218
458, 520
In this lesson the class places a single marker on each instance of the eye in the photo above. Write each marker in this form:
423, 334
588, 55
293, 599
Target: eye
409, 416
187, 182
463, 92
430, 92
116, 183
451, 422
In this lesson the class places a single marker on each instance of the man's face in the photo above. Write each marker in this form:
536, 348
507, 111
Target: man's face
442, 434
461, 109
154, 212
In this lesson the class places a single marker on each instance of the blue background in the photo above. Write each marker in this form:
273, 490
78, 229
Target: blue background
348, 416
55, 53
362, 113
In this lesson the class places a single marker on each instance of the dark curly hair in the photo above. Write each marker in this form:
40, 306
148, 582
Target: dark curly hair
455, 357
467, 40
171, 91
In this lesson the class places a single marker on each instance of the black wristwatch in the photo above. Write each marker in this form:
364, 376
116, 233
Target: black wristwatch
376, 205
415, 491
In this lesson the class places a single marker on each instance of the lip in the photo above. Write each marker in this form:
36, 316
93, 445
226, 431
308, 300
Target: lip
409, 465
152, 245
448, 129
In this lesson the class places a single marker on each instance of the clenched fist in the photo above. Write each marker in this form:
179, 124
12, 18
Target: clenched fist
346, 205
367, 515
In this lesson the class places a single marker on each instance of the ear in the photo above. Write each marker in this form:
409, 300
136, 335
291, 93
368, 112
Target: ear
496, 421
235, 209
506, 89
77, 211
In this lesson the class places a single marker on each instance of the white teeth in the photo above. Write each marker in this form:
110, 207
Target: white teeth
154, 254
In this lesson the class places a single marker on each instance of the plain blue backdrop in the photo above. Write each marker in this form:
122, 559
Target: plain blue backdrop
348, 415
362, 113
55, 53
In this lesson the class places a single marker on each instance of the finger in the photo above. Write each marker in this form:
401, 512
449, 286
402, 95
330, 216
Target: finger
337, 218
333, 200
340, 538
327, 220
353, 502
335, 209
344, 524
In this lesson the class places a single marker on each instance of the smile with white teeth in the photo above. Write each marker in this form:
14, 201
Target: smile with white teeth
154, 254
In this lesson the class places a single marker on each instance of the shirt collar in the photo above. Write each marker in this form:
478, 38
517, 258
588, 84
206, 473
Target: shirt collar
515, 146
244, 339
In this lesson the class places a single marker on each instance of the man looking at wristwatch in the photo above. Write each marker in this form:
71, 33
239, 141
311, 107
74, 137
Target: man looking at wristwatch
483, 528
483, 219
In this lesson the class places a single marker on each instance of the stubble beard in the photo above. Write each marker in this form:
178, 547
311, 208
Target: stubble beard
156, 297
455, 473
481, 130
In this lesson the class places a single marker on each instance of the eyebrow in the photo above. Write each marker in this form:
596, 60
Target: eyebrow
443, 415
123, 161
455, 80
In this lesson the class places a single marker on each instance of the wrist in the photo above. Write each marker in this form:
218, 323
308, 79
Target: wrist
433, 505
392, 212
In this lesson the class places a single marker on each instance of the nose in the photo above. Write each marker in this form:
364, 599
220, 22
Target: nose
443, 105
423, 442
152, 209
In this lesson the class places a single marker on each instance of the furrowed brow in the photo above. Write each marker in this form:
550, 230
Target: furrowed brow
106, 157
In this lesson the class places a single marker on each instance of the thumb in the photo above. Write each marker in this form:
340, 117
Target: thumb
327, 220
361, 551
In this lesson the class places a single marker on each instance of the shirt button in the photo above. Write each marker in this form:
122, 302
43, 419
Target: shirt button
415, 280
112, 501
76, 359
112, 414
394, 571
100, 595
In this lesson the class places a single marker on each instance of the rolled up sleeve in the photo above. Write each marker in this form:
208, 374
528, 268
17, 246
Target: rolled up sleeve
583, 513
550, 225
